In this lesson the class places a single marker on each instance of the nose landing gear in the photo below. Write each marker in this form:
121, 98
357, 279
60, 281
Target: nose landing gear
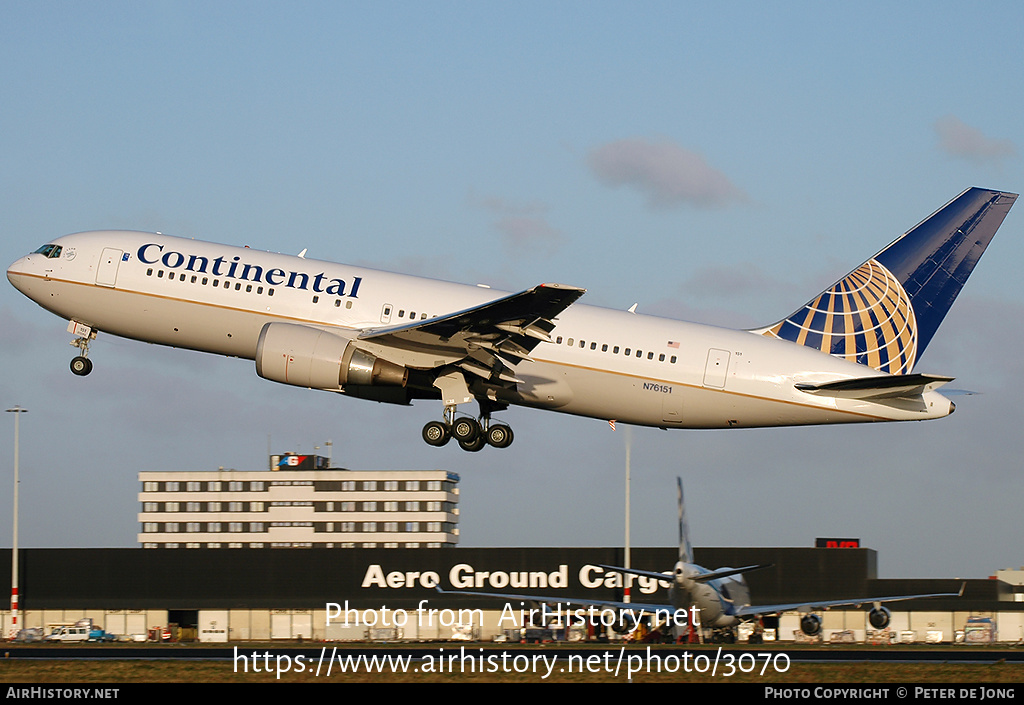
81, 365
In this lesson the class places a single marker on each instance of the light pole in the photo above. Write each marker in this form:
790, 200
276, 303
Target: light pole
17, 411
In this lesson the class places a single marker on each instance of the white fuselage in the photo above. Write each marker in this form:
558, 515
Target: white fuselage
601, 363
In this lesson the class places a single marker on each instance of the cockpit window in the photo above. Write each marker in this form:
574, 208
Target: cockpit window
49, 251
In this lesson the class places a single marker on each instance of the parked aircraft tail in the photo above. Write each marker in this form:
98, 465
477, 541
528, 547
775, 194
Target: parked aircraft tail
685, 547
884, 313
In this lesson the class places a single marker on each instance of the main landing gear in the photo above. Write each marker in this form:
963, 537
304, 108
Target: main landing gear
81, 365
471, 434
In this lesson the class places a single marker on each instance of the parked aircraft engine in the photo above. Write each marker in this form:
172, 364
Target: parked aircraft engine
310, 357
879, 617
810, 624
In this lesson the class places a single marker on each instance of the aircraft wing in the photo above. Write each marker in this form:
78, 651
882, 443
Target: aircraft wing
499, 331
548, 599
754, 610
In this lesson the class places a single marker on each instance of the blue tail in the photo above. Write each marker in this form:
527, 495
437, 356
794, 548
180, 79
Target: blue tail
884, 313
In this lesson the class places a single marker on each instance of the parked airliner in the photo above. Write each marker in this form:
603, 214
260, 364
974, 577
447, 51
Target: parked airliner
719, 597
847, 356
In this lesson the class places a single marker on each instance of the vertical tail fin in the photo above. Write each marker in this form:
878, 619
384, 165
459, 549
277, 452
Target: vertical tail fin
685, 547
884, 313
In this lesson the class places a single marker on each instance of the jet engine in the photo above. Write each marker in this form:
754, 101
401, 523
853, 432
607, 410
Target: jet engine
810, 624
879, 617
309, 357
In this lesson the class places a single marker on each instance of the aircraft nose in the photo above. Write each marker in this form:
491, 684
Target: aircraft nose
16, 272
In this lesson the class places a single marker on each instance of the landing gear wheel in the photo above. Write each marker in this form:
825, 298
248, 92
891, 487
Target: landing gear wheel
499, 435
465, 430
474, 445
81, 366
436, 433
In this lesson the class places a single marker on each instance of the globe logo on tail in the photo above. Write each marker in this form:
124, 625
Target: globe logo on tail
866, 317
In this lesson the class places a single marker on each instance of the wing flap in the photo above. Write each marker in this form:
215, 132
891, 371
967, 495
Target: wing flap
486, 339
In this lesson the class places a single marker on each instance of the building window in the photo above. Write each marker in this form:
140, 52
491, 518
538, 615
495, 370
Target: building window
213, 527
348, 486
235, 527
391, 506
213, 506
390, 485
433, 485
369, 526
150, 528
193, 527
256, 486
412, 485
193, 506
391, 526
150, 486
412, 506
235, 486
213, 486
194, 486
151, 506
369, 506
171, 527
236, 506
348, 506
171, 507
172, 487
370, 486
412, 526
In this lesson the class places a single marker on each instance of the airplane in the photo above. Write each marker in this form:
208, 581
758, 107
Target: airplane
395, 338
720, 597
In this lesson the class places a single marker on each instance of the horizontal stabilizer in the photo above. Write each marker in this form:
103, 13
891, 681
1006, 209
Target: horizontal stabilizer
878, 387
727, 572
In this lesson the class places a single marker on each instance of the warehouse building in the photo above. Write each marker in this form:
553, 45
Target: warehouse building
267, 593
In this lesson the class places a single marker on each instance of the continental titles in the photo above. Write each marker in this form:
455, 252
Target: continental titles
235, 268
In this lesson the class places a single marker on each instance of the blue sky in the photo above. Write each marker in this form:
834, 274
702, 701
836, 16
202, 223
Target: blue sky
720, 164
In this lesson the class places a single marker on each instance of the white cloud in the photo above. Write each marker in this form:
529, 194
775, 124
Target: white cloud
958, 139
669, 175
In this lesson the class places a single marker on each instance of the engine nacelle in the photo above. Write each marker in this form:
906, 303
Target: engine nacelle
879, 617
309, 357
810, 624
